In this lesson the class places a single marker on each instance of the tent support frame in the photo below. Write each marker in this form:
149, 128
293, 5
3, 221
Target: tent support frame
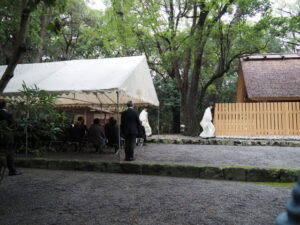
119, 121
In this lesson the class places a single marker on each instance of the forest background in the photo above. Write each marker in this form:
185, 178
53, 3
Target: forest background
192, 46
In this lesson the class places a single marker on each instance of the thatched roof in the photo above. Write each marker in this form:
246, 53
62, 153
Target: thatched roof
272, 75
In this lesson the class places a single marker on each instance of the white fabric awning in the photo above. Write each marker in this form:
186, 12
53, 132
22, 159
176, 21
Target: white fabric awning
90, 81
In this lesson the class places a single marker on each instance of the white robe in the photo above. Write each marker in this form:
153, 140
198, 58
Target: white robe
207, 125
145, 122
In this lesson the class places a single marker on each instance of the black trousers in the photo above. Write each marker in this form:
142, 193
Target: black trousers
9, 149
130, 142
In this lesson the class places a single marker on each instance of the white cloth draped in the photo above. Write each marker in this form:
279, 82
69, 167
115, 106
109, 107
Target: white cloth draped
145, 122
207, 125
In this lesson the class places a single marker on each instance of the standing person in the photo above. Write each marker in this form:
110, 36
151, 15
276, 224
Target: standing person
131, 128
6, 118
112, 133
145, 123
206, 123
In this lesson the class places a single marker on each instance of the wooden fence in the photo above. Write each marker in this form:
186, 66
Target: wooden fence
257, 119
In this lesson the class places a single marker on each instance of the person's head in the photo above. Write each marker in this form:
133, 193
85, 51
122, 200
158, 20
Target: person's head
211, 105
2, 104
146, 109
130, 104
112, 120
96, 121
80, 120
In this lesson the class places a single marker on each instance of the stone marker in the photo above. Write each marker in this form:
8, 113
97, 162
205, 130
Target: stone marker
292, 215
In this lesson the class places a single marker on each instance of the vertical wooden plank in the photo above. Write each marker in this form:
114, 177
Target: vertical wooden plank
298, 118
279, 118
266, 118
275, 113
248, 118
225, 119
257, 114
252, 128
290, 127
268, 129
271, 118
230, 111
216, 118
285, 118
237, 122
295, 118
255, 120
241, 119
220, 119
291, 118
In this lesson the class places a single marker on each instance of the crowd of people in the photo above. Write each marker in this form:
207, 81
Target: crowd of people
97, 135
133, 125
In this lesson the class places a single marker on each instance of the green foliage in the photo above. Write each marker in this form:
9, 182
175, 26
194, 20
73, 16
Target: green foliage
37, 120
169, 97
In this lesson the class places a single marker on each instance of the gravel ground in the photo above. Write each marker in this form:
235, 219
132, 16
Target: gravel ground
48, 197
261, 156
176, 136
219, 155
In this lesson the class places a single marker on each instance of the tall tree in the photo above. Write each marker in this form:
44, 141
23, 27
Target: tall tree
195, 41
15, 19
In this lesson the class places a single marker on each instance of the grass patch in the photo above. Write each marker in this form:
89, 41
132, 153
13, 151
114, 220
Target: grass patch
283, 185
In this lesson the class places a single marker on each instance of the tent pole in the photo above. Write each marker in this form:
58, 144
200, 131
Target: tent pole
158, 120
119, 130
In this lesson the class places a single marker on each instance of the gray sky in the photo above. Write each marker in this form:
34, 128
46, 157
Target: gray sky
99, 4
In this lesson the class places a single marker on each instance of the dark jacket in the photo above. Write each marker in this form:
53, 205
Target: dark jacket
112, 132
7, 124
96, 134
8, 117
130, 122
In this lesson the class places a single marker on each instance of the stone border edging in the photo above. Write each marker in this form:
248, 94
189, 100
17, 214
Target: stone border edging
250, 174
223, 141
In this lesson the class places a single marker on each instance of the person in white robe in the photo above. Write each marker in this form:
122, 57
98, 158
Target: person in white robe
206, 123
145, 122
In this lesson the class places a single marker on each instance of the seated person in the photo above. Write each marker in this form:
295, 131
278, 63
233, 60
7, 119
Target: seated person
112, 133
96, 135
78, 131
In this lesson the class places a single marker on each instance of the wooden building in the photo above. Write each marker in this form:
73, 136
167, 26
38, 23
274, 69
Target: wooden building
269, 78
267, 100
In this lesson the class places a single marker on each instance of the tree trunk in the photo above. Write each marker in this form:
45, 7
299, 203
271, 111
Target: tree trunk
17, 50
176, 120
45, 20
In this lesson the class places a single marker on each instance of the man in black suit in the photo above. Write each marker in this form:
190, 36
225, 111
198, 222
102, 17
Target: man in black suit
7, 138
131, 128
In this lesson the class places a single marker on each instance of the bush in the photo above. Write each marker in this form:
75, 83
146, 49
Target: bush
37, 121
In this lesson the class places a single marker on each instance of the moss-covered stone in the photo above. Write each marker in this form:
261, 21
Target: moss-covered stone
54, 164
288, 175
23, 163
114, 167
101, 166
39, 163
182, 171
131, 168
263, 175
153, 169
209, 172
234, 173
68, 164
85, 166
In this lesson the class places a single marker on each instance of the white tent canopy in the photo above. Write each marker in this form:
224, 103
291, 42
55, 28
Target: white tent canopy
89, 81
